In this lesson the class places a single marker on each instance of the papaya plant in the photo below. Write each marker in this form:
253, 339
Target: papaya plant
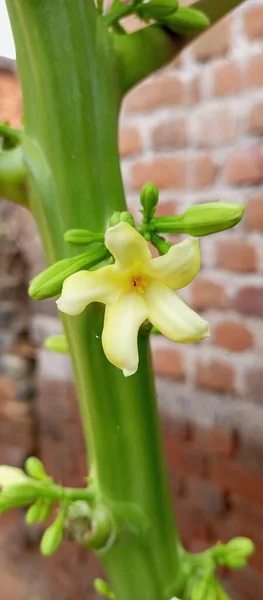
76, 63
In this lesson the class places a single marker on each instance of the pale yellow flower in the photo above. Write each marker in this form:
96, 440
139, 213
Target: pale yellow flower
10, 475
137, 287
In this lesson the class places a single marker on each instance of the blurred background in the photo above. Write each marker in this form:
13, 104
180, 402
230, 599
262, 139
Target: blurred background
195, 129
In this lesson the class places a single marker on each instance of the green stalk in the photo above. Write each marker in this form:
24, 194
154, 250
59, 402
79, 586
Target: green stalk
72, 95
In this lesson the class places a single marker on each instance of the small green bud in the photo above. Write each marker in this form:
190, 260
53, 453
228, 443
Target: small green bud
149, 199
24, 493
102, 588
35, 468
82, 237
38, 512
186, 21
201, 219
157, 9
49, 283
127, 217
122, 217
57, 343
235, 554
53, 537
32, 515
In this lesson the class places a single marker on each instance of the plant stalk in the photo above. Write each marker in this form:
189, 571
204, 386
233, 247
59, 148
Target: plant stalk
69, 75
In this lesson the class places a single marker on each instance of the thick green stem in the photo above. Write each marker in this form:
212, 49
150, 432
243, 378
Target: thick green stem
71, 93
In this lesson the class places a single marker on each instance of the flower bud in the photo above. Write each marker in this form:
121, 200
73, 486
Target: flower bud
157, 9
149, 200
82, 237
35, 468
234, 555
33, 513
49, 283
53, 537
120, 217
186, 21
102, 588
201, 219
57, 343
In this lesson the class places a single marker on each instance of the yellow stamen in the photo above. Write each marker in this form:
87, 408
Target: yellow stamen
138, 284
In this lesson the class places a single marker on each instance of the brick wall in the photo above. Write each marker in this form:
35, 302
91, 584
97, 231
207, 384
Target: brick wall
196, 130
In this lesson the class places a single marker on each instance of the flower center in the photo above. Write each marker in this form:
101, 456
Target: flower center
138, 284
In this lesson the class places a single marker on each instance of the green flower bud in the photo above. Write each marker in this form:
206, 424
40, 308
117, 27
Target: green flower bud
32, 515
186, 21
35, 468
157, 9
53, 537
120, 217
102, 588
234, 555
202, 219
82, 237
38, 512
161, 244
57, 343
149, 200
49, 283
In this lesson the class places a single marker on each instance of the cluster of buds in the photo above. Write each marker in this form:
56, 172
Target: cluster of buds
76, 512
182, 20
202, 583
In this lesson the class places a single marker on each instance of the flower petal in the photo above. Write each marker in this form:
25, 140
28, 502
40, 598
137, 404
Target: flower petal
10, 475
126, 245
121, 325
179, 266
168, 312
84, 287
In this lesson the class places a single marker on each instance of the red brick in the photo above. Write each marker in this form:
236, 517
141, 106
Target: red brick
233, 336
226, 79
245, 167
184, 457
247, 513
129, 141
215, 128
213, 43
224, 441
205, 495
254, 71
216, 376
254, 214
166, 208
11, 103
162, 91
170, 134
254, 385
255, 119
168, 362
235, 478
249, 300
253, 22
197, 172
248, 583
192, 91
208, 294
236, 256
